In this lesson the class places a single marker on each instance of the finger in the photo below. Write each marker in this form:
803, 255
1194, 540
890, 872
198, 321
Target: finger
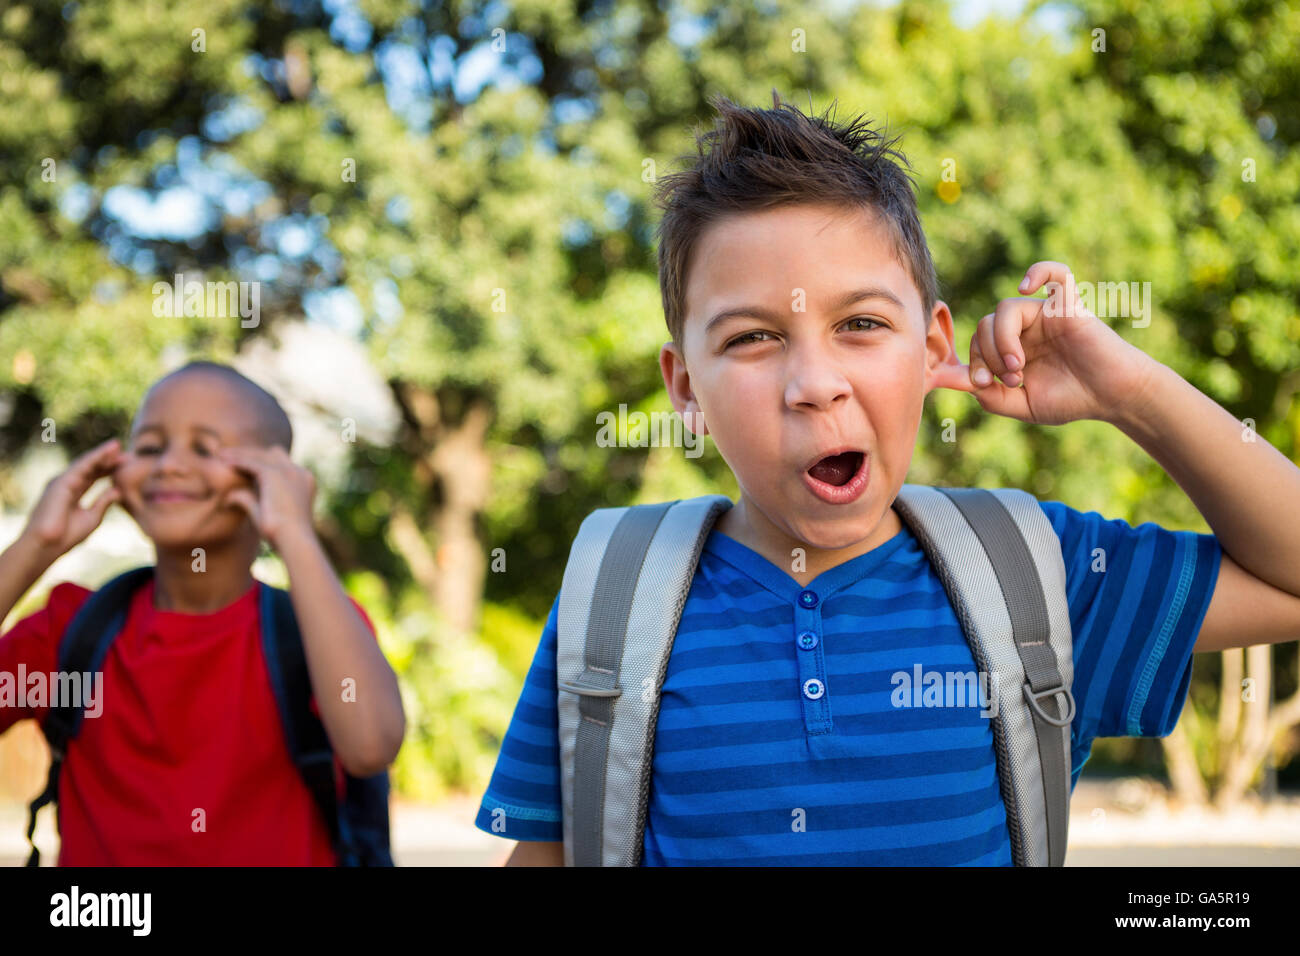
252, 452
992, 394
83, 521
99, 461
101, 504
245, 500
952, 374
76, 486
1058, 282
103, 448
245, 459
988, 345
1043, 272
249, 453
980, 375
1013, 316
1001, 400
97, 456
108, 468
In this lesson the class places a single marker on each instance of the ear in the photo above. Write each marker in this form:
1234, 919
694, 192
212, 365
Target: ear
677, 380
943, 369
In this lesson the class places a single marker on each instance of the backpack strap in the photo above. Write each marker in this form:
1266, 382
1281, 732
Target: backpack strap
82, 650
363, 816
625, 585
1001, 565
309, 745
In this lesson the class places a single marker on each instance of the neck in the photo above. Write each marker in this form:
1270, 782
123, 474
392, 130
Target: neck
750, 527
183, 584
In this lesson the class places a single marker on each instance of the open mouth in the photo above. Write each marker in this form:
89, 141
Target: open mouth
837, 469
839, 478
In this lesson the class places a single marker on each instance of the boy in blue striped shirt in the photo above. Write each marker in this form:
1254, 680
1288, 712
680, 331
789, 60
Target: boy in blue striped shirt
806, 332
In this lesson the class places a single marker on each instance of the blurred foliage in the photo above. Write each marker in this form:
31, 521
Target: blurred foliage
497, 242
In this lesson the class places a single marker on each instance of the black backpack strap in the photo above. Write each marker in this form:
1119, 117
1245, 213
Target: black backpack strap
82, 650
309, 745
364, 818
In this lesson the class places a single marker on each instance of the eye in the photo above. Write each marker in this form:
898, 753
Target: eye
874, 323
747, 338
146, 450
203, 450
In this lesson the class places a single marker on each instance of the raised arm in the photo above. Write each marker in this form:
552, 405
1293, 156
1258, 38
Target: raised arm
58, 523
1248, 493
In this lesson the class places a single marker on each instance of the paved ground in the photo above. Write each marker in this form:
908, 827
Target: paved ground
1112, 823
1183, 856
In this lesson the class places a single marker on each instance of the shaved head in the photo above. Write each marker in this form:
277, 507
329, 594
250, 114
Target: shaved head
271, 423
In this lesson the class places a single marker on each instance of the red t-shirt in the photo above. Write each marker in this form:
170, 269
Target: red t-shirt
188, 723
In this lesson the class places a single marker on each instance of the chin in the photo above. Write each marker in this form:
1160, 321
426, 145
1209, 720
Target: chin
836, 538
834, 533
172, 537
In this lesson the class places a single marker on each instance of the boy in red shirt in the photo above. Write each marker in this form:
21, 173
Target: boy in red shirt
184, 760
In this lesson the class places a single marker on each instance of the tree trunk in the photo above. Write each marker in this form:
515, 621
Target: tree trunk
1229, 702
464, 470
1245, 758
438, 535
1184, 774
407, 539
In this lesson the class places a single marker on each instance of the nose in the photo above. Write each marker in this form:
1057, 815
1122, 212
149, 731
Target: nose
814, 378
173, 460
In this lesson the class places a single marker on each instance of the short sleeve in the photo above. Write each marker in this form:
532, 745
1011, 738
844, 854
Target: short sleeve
370, 625
522, 801
1137, 597
32, 646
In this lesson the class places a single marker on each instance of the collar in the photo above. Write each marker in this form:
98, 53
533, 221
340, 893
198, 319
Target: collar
753, 565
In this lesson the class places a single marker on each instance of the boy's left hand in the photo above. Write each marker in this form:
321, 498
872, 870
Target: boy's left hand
1066, 364
281, 504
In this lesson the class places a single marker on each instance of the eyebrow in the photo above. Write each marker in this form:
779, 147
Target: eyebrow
848, 299
158, 428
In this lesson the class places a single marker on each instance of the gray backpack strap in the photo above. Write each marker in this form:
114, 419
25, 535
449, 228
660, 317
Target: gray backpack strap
1001, 565
625, 585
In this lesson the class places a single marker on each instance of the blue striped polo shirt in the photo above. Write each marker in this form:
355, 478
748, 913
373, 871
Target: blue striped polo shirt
796, 735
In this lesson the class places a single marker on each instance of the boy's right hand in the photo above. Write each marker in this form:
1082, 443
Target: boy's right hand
58, 522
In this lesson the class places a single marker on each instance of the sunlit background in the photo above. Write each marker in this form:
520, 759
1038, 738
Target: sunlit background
446, 207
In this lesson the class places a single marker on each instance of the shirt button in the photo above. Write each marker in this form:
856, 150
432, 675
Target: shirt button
813, 689
807, 640
808, 599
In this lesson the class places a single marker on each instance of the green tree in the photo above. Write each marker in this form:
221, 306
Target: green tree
465, 190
